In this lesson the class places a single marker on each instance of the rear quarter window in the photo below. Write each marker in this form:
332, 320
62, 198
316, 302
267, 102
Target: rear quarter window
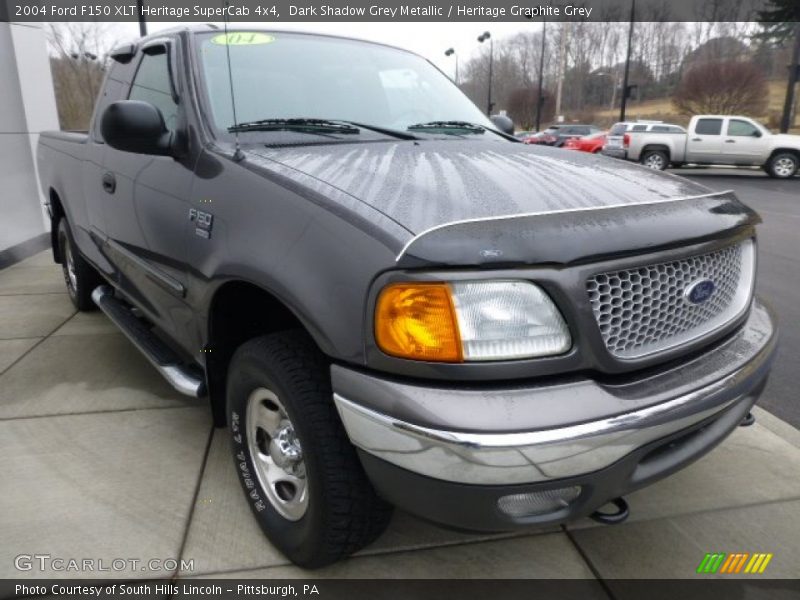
708, 126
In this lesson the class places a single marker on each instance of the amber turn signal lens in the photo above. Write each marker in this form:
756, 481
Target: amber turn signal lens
418, 321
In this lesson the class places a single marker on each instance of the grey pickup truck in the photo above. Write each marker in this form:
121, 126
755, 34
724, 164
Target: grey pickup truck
388, 300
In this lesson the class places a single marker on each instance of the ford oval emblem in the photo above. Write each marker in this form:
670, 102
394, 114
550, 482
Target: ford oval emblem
699, 291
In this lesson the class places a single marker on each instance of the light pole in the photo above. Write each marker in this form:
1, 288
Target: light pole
482, 38
539, 99
451, 52
142, 22
794, 76
625, 90
87, 58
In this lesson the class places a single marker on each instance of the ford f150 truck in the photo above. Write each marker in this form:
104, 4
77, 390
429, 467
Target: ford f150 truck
711, 140
388, 301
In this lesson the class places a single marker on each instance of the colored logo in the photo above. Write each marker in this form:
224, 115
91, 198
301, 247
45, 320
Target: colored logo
734, 563
699, 291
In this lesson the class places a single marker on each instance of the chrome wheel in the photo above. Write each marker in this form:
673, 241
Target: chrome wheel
276, 453
70, 274
784, 167
654, 161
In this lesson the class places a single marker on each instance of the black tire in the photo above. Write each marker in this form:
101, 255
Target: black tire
783, 165
343, 513
80, 277
655, 159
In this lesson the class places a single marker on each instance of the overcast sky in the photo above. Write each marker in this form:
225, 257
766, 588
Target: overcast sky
428, 39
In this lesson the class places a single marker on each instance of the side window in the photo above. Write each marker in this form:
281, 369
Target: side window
114, 88
152, 84
112, 91
708, 127
742, 128
639, 128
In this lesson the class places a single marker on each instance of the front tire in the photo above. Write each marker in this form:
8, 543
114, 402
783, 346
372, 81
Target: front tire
299, 471
783, 165
655, 159
79, 275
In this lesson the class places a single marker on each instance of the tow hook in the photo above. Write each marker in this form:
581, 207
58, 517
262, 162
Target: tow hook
622, 513
748, 420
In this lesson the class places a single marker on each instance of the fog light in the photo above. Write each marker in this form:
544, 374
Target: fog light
538, 503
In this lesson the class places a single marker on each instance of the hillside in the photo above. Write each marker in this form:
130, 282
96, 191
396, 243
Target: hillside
662, 109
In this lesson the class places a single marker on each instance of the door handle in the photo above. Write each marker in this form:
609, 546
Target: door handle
697, 139
730, 141
109, 183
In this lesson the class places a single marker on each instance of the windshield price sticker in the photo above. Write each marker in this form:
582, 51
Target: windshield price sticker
242, 38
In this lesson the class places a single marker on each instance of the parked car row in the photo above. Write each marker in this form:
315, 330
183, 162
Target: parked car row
557, 135
710, 140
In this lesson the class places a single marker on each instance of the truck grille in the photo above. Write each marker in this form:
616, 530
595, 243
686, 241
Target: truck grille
649, 309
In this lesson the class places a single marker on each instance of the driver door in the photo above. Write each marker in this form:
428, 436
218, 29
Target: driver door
147, 208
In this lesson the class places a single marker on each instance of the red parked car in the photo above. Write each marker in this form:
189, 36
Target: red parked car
589, 143
543, 137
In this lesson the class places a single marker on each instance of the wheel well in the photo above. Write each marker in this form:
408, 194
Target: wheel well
56, 214
664, 149
784, 151
240, 311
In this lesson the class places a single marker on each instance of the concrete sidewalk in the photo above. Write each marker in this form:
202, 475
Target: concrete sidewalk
100, 458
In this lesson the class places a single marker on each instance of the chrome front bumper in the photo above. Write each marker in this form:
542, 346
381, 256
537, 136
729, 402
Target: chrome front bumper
638, 412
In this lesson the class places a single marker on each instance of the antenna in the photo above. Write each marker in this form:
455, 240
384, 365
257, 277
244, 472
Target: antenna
237, 154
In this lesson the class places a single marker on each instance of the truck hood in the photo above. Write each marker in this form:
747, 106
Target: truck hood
464, 203
431, 183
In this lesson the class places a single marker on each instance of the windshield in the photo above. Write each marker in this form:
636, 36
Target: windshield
286, 76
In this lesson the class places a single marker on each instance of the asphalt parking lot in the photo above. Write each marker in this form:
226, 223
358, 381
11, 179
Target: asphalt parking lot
100, 458
778, 203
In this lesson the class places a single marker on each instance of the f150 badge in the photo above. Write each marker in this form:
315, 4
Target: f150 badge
203, 222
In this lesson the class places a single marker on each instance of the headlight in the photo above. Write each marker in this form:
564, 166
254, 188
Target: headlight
469, 321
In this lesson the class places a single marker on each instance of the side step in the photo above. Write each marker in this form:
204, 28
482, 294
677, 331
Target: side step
157, 352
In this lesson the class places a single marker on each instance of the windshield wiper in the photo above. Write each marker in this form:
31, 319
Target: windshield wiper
402, 135
461, 126
298, 124
317, 126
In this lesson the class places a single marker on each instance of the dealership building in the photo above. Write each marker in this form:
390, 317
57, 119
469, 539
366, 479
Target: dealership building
27, 107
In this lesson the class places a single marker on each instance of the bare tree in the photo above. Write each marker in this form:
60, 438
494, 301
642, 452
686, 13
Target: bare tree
521, 105
722, 87
78, 58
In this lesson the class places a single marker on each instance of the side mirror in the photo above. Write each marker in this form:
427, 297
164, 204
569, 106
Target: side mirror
135, 126
503, 123
757, 133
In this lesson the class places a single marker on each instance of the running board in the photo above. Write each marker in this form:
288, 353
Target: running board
162, 357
